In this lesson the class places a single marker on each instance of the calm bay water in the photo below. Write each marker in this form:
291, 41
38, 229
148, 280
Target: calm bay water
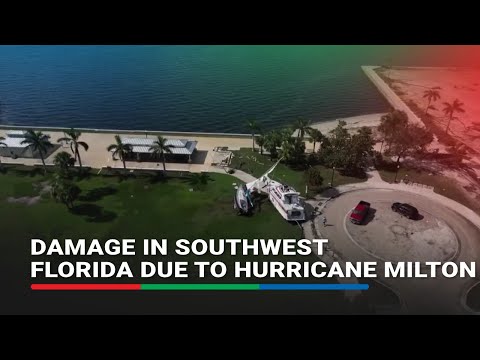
190, 88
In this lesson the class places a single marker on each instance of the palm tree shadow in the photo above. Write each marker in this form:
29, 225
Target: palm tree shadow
31, 172
93, 213
159, 177
198, 180
98, 193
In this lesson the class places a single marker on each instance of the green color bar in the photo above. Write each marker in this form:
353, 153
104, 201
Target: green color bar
200, 287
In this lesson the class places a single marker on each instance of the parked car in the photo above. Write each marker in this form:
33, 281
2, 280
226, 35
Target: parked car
358, 215
406, 210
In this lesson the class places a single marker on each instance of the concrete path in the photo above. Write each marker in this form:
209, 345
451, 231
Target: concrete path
389, 94
239, 174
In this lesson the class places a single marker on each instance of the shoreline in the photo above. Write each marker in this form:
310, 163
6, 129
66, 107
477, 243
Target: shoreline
98, 140
353, 122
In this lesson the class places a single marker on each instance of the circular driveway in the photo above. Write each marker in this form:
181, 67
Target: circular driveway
389, 236
440, 234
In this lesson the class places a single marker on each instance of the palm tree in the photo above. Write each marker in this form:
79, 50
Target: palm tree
303, 125
72, 137
260, 140
315, 136
120, 149
2, 144
160, 147
253, 126
38, 141
431, 94
450, 109
287, 151
64, 161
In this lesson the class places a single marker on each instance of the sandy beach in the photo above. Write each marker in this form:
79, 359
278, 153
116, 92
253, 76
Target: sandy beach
353, 123
97, 156
453, 83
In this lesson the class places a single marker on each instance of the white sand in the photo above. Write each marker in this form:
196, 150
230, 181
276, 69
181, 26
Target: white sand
353, 123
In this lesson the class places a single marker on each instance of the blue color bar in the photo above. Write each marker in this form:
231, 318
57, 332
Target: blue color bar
313, 287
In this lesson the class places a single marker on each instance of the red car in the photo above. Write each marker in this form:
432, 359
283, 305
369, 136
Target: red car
360, 212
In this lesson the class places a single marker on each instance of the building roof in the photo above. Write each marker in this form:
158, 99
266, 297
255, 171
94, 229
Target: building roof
14, 142
177, 146
16, 133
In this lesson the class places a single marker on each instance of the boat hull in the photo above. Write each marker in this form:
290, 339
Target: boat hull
289, 215
241, 201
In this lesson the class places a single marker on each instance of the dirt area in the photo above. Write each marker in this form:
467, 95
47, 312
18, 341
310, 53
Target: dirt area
43, 188
27, 200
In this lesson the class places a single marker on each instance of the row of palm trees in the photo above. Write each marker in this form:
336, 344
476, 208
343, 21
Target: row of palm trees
40, 143
303, 127
449, 109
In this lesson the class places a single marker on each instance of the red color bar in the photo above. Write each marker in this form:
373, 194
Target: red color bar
85, 286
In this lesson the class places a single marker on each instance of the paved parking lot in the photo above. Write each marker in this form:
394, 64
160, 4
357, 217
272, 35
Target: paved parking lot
441, 234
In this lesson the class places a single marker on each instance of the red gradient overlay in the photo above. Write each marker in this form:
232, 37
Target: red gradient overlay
85, 286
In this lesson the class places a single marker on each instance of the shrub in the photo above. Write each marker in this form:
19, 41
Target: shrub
314, 177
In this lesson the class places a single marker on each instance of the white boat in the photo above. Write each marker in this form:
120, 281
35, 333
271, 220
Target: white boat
285, 198
242, 201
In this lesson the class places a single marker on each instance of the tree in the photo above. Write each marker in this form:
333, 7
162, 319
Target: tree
2, 144
302, 125
450, 109
64, 191
408, 140
260, 140
63, 161
390, 123
253, 126
288, 150
198, 180
315, 136
37, 141
161, 148
335, 148
273, 140
431, 94
314, 177
120, 149
72, 137
359, 151
349, 152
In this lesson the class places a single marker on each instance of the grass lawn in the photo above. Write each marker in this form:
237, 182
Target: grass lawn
257, 164
442, 185
141, 207
134, 208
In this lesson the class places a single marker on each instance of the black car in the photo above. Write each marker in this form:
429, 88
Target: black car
406, 210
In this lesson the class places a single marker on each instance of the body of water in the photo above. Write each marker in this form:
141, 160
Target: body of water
191, 88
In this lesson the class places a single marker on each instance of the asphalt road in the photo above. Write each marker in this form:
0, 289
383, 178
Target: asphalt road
419, 295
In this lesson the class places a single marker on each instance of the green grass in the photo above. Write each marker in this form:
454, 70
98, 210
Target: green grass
136, 207
442, 185
257, 164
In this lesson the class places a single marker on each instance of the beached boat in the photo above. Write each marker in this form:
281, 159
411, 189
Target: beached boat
242, 201
285, 198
